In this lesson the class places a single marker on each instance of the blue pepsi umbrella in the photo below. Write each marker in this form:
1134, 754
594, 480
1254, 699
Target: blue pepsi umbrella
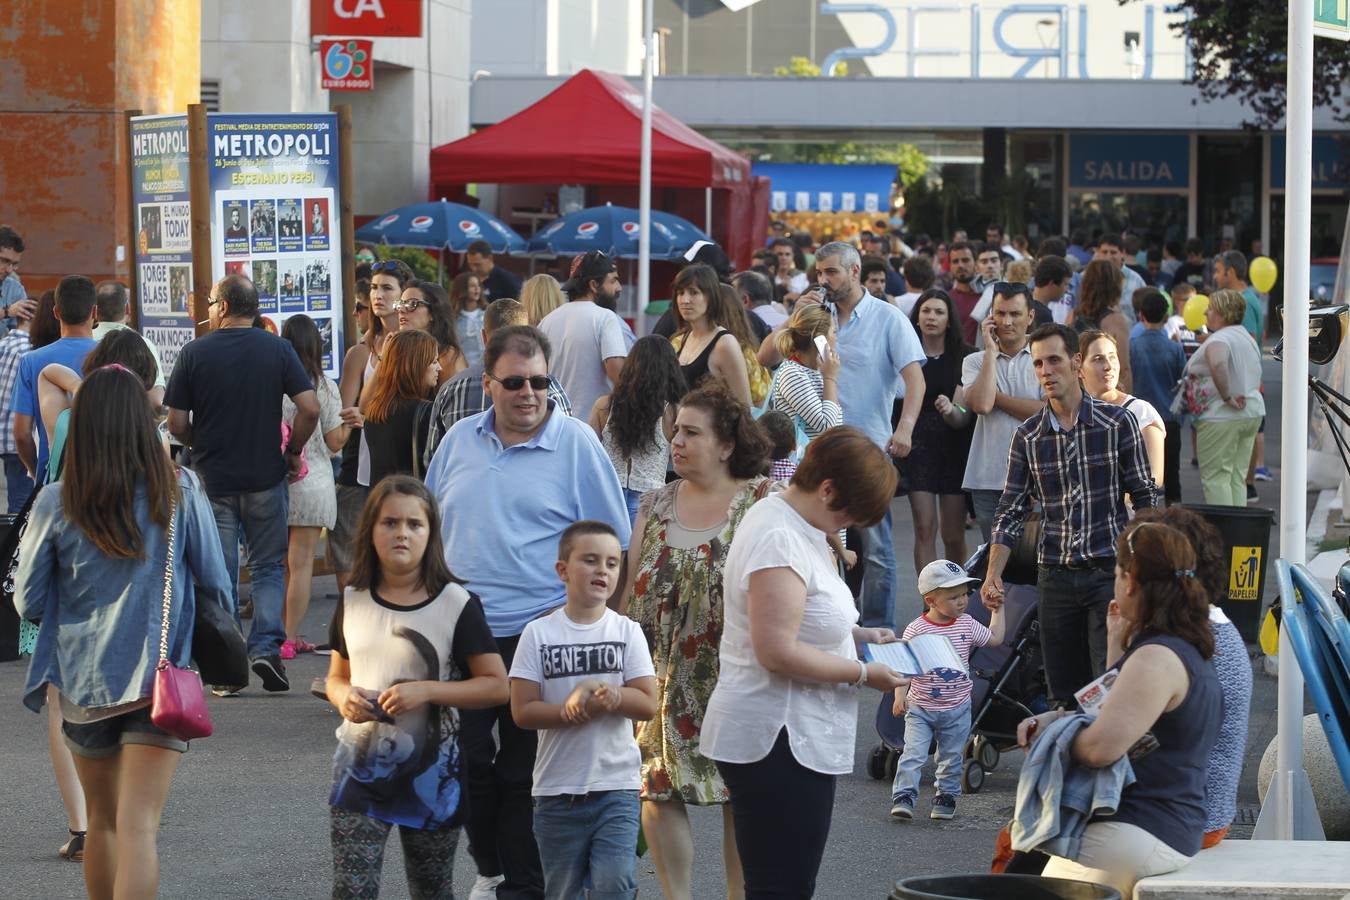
438, 225
615, 230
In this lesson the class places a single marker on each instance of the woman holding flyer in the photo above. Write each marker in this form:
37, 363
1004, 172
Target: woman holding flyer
1164, 712
791, 623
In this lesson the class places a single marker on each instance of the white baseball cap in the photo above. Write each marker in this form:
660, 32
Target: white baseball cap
942, 573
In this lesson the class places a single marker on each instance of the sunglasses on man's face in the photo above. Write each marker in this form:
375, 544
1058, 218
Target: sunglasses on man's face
516, 382
360, 307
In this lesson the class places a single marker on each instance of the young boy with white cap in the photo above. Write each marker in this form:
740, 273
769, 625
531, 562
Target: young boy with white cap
937, 705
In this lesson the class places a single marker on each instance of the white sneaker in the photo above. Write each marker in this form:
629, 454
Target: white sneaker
485, 887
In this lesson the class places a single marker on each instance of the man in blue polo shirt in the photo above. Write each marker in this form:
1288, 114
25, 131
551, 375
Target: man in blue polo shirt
880, 358
508, 481
75, 298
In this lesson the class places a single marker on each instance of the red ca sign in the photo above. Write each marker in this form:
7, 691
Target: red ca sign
347, 65
366, 18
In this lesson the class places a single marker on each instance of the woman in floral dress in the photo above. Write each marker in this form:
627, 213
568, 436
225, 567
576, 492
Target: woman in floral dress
680, 542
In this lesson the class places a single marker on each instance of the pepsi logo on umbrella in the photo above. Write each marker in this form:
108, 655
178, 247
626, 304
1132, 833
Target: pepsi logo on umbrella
470, 228
631, 228
421, 223
388, 220
585, 229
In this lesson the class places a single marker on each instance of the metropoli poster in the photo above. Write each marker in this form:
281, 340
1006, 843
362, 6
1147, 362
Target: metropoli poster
163, 251
274, 216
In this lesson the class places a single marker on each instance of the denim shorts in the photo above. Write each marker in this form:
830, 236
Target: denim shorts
104, 738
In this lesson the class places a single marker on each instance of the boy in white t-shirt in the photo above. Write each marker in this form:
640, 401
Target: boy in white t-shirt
579, 675
936, 706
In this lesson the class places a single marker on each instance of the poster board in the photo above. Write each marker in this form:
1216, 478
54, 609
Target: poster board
274, 182
163, 232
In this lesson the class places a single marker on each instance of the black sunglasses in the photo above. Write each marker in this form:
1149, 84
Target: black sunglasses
516, 382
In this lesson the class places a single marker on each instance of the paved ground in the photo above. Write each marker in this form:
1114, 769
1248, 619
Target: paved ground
247, 817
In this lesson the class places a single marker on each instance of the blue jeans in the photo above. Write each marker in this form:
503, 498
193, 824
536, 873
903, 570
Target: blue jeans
632, 499
588, 840
878, 593
951, 727
261, 519
17, 482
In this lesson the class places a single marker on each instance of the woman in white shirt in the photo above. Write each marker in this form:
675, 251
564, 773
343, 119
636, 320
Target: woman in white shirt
1226, 377
781, 722
1101, 379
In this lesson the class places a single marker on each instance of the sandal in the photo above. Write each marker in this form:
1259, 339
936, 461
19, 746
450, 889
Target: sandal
73, 849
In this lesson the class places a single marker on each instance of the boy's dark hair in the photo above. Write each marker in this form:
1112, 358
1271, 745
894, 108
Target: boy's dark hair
1052, 246
1051, 270
10, 239
584, 528
1111, 239
480, 248
918, 272
75, 298
872, 264
1056, 330
782, 433
1194, 245
1154, 307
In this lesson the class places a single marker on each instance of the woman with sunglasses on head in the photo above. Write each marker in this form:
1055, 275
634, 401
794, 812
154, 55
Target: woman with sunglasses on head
397, 405
936, 465
424, 306
1163, 710
93, 568
1098, 309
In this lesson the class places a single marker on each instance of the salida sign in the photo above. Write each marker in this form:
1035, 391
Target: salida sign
366, 18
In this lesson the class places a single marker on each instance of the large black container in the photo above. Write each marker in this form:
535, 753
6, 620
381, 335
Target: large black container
9, 619
1246, 540
999, 887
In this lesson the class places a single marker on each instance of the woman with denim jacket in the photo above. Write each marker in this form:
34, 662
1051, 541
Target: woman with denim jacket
91, 569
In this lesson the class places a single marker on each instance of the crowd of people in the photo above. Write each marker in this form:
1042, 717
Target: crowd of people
588, 580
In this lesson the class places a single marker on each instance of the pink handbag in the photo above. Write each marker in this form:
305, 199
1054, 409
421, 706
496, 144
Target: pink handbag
178, 704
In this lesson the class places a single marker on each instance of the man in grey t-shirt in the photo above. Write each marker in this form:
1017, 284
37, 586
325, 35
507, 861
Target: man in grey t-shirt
586, 333
999, 387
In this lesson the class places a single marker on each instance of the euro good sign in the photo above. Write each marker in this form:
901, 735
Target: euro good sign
366, 18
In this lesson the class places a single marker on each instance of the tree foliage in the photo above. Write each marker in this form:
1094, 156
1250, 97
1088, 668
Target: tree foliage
802, 67
1239, 48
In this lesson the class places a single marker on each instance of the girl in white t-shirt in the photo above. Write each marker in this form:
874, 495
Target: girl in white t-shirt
1101, 377
411, 647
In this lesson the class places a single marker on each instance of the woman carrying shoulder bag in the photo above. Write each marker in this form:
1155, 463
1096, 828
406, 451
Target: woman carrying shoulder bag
94, 572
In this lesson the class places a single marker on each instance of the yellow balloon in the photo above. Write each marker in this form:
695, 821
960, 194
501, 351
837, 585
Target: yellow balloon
1194, 313
1263, 273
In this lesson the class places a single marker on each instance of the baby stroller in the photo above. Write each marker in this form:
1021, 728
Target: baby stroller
1008, 681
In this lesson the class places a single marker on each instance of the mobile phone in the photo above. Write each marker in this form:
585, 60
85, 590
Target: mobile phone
822, 345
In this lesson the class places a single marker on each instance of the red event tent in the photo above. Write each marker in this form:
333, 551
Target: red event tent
588, 131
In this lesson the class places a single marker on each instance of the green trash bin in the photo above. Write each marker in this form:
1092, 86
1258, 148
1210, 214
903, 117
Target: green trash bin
1246, 550
999, 887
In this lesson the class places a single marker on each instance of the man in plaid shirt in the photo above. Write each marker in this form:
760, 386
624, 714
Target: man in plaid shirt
466, 393
1077, 457
13, 345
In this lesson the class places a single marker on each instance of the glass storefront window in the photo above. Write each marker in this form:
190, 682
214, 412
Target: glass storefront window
1035, 157
1157, 218
1228, 191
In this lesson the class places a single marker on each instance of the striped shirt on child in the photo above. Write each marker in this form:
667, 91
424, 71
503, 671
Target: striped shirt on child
945, 689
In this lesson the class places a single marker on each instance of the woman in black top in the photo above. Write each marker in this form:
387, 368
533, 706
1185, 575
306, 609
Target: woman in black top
706, 335
1164, 709
936, 465
397, 404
